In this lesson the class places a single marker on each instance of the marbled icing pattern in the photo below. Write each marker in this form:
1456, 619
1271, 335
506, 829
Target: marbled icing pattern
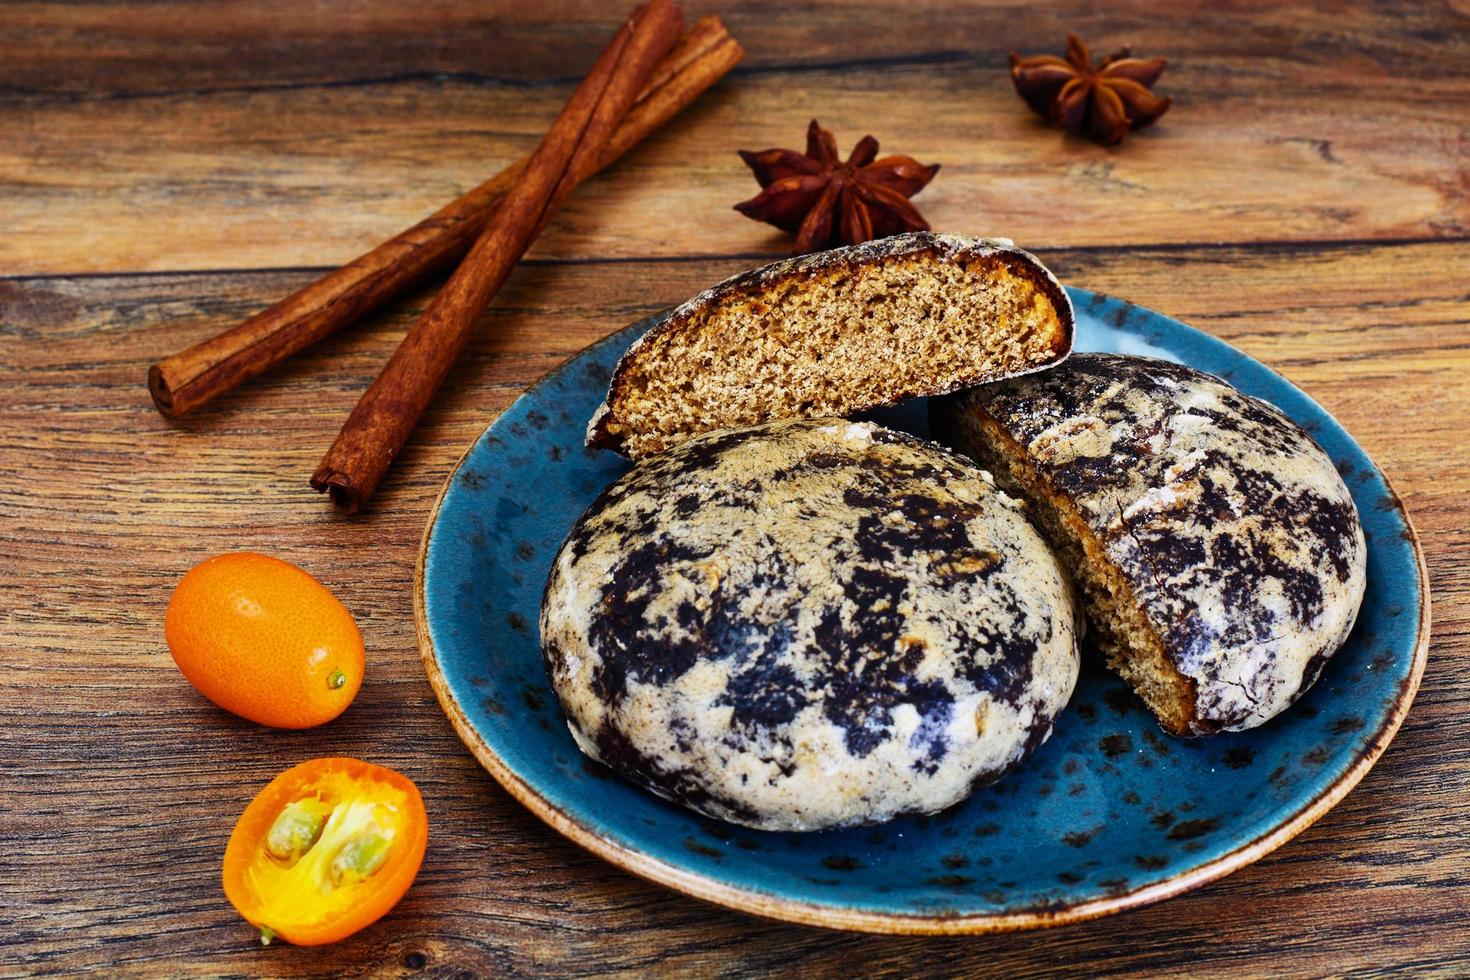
808, 624
1234, 530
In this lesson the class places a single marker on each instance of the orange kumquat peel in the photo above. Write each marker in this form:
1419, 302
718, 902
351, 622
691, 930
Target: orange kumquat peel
325, 850
263, 639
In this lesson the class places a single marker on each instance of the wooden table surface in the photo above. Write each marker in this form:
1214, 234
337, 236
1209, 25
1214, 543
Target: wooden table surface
168, 168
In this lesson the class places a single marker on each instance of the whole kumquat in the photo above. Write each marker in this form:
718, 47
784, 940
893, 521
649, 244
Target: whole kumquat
263, 639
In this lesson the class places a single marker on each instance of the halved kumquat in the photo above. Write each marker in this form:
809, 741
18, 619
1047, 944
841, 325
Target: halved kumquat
326, 849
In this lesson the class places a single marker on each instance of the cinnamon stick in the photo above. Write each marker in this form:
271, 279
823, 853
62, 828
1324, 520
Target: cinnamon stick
390, 408
192, 378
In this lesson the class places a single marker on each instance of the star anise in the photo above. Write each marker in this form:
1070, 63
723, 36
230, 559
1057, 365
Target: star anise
1103, 102
828, 202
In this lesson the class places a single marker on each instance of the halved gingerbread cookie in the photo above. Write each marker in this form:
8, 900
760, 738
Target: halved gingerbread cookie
1218, 551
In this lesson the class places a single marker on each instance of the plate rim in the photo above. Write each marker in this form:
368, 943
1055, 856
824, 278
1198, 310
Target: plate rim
784, 909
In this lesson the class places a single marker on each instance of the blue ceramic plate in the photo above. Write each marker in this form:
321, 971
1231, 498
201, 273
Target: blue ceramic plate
1110, 813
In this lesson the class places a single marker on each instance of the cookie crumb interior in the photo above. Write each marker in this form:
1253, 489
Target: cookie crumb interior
1129, 642
836, 341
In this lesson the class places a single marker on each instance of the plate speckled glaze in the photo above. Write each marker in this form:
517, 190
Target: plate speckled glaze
1110, 813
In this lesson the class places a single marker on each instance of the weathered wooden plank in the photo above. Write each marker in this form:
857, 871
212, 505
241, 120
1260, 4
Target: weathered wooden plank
114, 48
133, 142
121, 783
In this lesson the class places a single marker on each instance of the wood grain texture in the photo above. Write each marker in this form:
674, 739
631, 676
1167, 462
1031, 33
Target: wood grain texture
123, 783
141, 144
142, 141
